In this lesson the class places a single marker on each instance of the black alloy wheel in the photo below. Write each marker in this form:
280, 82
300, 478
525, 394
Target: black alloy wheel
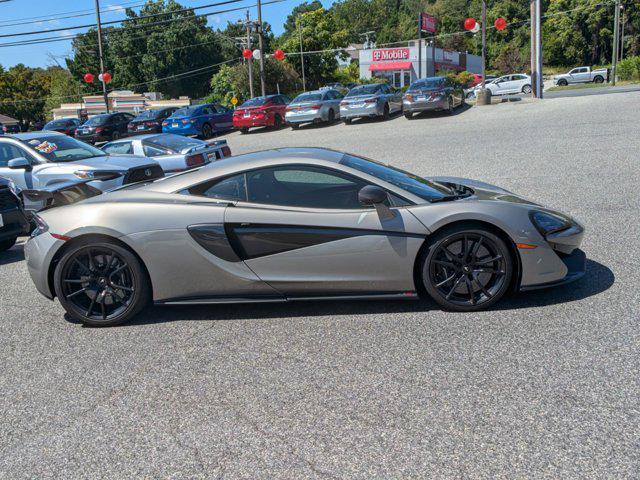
101, 284
207, 132
385, 113
332, 117
467, 269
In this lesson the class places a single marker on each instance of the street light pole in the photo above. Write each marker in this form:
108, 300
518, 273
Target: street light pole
538, 48
484, 42
104, 84
304, 82
261, 44
250, 59
616, 40
622, 32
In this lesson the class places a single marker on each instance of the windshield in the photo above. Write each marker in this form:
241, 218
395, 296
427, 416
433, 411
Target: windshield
427, 83
256, 102
57, 124
177, 143
308, 97
364, 90
60, 148
185, 111
97, 120
420, 187
148, 114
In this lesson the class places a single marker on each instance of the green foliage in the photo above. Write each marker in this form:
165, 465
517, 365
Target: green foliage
290, 24
23, 91
63, 88
347, 74
629, 68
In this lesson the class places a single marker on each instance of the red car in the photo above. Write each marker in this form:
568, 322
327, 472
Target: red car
265, 111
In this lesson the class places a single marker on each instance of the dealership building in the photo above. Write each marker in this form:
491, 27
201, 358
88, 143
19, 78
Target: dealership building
400, 65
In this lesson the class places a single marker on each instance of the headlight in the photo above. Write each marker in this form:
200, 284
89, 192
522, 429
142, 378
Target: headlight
547, 222
103, 175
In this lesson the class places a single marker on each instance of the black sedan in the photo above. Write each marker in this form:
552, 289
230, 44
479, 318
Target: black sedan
104, 128
63, 125
432, 94
13, 221
149, 121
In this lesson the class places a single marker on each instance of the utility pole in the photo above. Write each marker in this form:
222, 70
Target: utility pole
304, 82
484, 42
538, 48
419, 48
261, 44
104, 84
616, 40
250, 59
622, 32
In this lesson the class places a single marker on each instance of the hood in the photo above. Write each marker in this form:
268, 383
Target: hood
121, 162
481, 190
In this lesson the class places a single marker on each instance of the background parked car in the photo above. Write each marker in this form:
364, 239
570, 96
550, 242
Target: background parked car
40, 159
374, 100
9, 128
13, 221
509, 84
582, 75
174, 153
432, 93
470, 91
63, 125
268, 111
149, 121
202, 120
314, 107
103, 128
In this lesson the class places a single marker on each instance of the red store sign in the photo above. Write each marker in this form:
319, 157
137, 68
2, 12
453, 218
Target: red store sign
390, 54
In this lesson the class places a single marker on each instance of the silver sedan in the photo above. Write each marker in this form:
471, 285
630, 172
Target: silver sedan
174, 153
314, 107
374, 100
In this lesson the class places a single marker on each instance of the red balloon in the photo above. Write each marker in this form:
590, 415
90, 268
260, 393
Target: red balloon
469, 23
278, 54
106, 76
246, 53
500, 24
88, 78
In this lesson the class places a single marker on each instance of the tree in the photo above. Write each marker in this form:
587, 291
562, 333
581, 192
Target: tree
290, 25
63, 88
319, 32
22, 93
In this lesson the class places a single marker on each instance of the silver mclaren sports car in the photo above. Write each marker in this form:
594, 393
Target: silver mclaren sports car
297, 224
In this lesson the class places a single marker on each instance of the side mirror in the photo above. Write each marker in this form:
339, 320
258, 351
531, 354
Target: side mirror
19, 163
372, 195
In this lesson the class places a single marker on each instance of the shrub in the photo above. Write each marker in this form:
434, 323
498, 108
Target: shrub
629, 68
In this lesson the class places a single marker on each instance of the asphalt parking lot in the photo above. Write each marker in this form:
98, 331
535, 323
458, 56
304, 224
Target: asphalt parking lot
544, 386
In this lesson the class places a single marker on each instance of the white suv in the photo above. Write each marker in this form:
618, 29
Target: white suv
508, 84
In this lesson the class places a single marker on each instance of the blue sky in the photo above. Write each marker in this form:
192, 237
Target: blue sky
49, 53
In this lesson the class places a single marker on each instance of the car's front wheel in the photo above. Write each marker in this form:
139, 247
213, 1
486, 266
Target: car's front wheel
101, 284
526, 89
466, 269
207, 132
562, 83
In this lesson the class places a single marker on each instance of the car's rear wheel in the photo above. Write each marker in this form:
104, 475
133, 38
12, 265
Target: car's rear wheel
450, 105
295, 126
526, 89
207, 132
408, 115
277, 122
101, 284
7, 244
244, 130
331, 117
115, 135
562, 82
347, 121
467, 269
598, 79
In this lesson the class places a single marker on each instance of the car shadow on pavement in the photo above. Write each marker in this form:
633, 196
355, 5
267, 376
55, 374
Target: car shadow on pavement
378, 119
13, 255
436, 114
597, 279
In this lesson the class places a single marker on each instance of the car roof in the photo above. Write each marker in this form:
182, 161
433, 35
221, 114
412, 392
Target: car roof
31, 135
247, 161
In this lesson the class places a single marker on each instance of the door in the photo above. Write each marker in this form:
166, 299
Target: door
302, 230
23, 178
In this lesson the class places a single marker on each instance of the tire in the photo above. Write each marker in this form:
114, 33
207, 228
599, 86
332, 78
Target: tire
331, 117
295, 126
7, 244
385, 112
101, 284
450, 106
598, 79
244, 130
408, 115
562, 82
526, 89
115, 135
466, 282
277, 122
207, 131
347, 121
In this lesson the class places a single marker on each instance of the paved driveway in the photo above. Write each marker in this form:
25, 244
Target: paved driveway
545, 386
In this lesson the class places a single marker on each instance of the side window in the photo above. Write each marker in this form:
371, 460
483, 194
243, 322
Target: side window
150, 151
231, 188
575, 70
8, 152
302, 186
118, 148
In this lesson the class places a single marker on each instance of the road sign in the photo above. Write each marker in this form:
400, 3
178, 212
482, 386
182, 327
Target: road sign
234, 101
428, 23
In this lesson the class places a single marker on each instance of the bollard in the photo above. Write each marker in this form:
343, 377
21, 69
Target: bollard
483, 97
